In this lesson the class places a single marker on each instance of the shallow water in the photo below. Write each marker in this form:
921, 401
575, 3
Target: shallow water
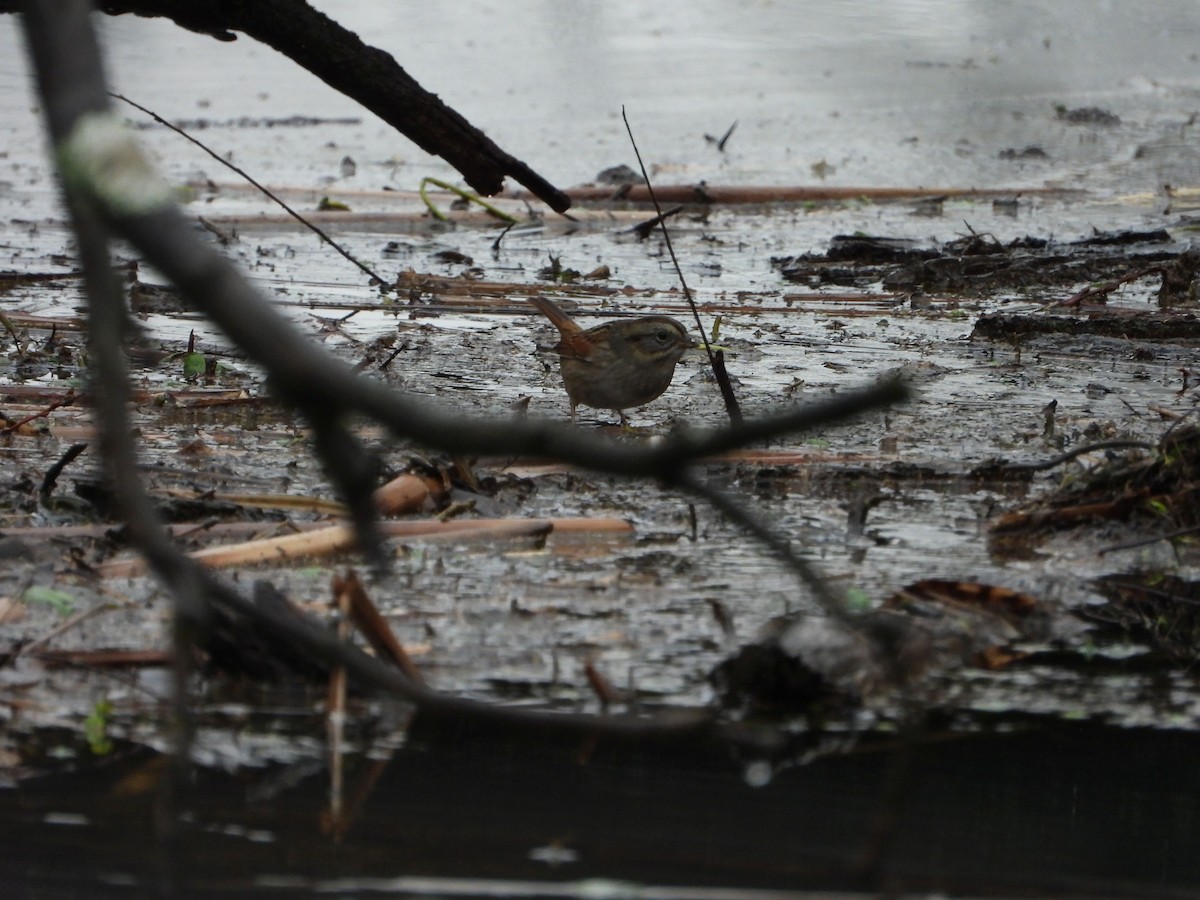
921, 92
914, 93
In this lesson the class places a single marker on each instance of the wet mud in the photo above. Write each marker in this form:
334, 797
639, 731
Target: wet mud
1019, 538
928, 489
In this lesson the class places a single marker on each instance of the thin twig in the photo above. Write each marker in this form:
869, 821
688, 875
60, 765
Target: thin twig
51, 476
1153, 539
383, 284
727, 506
79, 617
643, 229
335, 714
500, 237
1104, 288
731, 404
65, 400
1077, 451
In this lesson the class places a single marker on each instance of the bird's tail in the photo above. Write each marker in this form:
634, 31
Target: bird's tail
564, 323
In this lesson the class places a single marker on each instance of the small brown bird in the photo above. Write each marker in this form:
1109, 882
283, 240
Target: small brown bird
617, 365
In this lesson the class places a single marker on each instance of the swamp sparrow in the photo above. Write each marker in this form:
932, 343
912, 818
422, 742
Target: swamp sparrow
617, 365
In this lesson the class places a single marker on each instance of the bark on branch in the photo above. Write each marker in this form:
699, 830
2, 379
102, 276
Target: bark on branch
365, 74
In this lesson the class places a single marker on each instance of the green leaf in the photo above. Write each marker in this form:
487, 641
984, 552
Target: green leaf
95, 728
62, 602
466, 195
193, 365
857, 600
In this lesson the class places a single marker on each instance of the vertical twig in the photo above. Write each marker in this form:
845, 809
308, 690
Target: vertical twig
335, 711
716, 359
66, 58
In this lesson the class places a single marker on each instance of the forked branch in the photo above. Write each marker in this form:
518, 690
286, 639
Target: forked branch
111, 189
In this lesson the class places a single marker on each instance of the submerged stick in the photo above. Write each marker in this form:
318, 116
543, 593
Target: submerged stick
342, 538
792, 193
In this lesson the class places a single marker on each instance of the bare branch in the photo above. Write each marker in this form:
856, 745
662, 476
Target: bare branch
110, 186
365, 74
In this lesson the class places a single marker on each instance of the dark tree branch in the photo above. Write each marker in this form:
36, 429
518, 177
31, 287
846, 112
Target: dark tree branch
110, 186
365, 74
67, 61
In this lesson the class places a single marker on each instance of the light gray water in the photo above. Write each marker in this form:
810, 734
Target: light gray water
911, 92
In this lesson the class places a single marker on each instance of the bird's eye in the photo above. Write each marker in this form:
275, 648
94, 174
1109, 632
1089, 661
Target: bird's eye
663, 336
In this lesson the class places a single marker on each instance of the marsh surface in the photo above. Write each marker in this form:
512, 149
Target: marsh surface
922, 101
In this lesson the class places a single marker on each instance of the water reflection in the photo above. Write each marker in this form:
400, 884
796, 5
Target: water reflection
1075, 810
912, 92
